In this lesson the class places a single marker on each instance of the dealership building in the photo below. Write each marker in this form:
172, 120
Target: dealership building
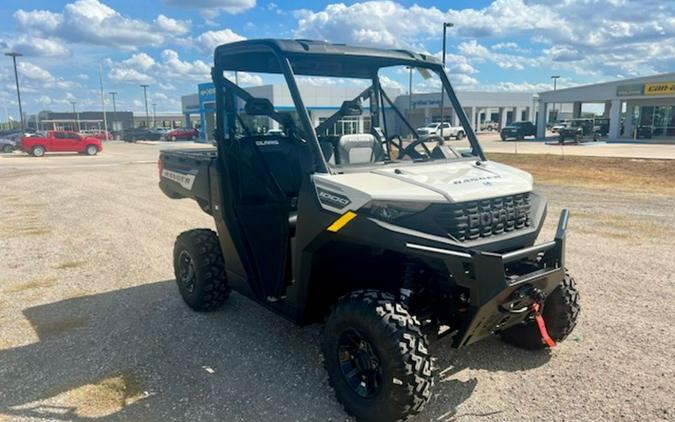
647, 103
323, 101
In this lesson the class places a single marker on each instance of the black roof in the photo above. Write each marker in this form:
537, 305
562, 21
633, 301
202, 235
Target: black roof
315, 58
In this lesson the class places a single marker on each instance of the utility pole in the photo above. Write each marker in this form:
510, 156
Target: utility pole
555, 87
14, 55
76, 115
147, 113
446, 25
154, 115
105, 118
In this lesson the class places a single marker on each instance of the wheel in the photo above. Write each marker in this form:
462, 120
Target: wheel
560, 312
460, 135
200, 270
38, 151
377, 358
173, 139
7, 148
91, 150
489, 128
503, 138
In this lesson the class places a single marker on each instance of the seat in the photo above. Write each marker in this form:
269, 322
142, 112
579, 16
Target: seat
359, 149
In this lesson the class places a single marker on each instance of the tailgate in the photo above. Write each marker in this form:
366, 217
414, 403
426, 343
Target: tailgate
185, 173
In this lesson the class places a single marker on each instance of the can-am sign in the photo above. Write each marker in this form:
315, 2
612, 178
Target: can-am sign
661, 88
658, 88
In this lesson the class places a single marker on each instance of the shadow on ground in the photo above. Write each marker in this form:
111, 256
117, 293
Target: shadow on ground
140, 354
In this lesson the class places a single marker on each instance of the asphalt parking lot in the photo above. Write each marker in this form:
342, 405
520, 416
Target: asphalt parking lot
92, 327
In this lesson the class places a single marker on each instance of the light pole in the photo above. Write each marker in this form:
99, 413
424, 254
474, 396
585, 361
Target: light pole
14, 55
555, 86
113, 94
76, 115
145, 96
154, 115
446, 25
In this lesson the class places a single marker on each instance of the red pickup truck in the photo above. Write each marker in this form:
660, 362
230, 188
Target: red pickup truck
60, 141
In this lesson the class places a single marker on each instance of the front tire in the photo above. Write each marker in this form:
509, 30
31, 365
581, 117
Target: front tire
38, 151
200, 270
560, 311
460, 135
91, 150
376, 357
7, 149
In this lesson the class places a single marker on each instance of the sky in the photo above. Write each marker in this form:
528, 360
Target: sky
499, 45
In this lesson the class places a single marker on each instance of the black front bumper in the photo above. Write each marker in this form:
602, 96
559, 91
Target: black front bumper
501, 286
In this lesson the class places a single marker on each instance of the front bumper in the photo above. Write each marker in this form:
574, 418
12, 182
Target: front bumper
501, 285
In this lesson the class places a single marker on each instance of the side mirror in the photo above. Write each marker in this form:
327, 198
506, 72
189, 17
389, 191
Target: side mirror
351, 108
259, 107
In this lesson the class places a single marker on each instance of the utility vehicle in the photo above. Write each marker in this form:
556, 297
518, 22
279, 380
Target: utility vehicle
579, 130
391, 245
434, 130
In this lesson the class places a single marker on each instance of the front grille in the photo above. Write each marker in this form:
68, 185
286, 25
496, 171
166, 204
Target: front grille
485, 218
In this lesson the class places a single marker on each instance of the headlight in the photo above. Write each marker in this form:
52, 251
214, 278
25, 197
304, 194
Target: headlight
390, 211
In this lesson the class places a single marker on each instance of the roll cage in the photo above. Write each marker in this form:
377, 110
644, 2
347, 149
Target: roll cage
315, 58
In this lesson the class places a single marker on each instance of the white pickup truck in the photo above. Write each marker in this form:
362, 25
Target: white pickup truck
434, 129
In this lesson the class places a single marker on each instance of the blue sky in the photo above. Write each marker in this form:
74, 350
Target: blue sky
498, 45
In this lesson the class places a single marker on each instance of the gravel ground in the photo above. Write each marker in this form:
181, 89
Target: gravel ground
92, 326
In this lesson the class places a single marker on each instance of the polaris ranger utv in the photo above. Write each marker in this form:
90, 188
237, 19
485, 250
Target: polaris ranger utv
391, 244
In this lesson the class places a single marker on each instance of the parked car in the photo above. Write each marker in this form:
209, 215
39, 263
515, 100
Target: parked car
182, 133
579, 130
518, 130
60, 141
559, 125
9, 142
140, 134
601, 125
434, 129
489, 125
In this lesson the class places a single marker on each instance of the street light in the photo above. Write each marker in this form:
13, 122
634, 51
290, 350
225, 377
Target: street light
555, 87
147, 113
14, 55
446, 25
154, 115
113, 93
76, 115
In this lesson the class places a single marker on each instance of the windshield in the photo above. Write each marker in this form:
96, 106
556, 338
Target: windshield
356, 122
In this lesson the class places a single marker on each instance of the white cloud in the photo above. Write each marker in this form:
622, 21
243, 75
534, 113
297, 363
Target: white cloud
602, 38
32, 45
209, 40
173, 26
141, 61
227, 6
93, 22
125, 74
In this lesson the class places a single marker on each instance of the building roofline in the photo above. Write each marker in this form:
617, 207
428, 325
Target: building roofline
621, 81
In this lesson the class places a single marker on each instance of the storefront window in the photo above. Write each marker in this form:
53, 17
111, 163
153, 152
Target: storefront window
660, 119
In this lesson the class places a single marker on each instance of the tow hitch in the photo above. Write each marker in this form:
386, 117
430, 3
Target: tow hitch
517, 306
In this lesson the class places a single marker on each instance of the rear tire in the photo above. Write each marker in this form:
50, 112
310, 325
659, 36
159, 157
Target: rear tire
377, 358
460, 135
7, 148
200, 270
560, 311
38, 151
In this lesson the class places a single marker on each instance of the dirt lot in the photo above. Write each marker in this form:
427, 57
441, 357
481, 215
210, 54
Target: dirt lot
92, 327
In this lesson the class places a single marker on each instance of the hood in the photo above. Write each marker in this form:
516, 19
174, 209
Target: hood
453, 181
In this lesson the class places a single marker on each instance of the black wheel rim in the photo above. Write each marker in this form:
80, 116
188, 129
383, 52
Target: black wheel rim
186, 271
359, 363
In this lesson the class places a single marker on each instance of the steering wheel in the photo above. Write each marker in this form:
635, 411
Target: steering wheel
412, 152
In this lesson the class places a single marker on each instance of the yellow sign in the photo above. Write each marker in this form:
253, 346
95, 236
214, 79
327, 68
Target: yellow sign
662, 88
